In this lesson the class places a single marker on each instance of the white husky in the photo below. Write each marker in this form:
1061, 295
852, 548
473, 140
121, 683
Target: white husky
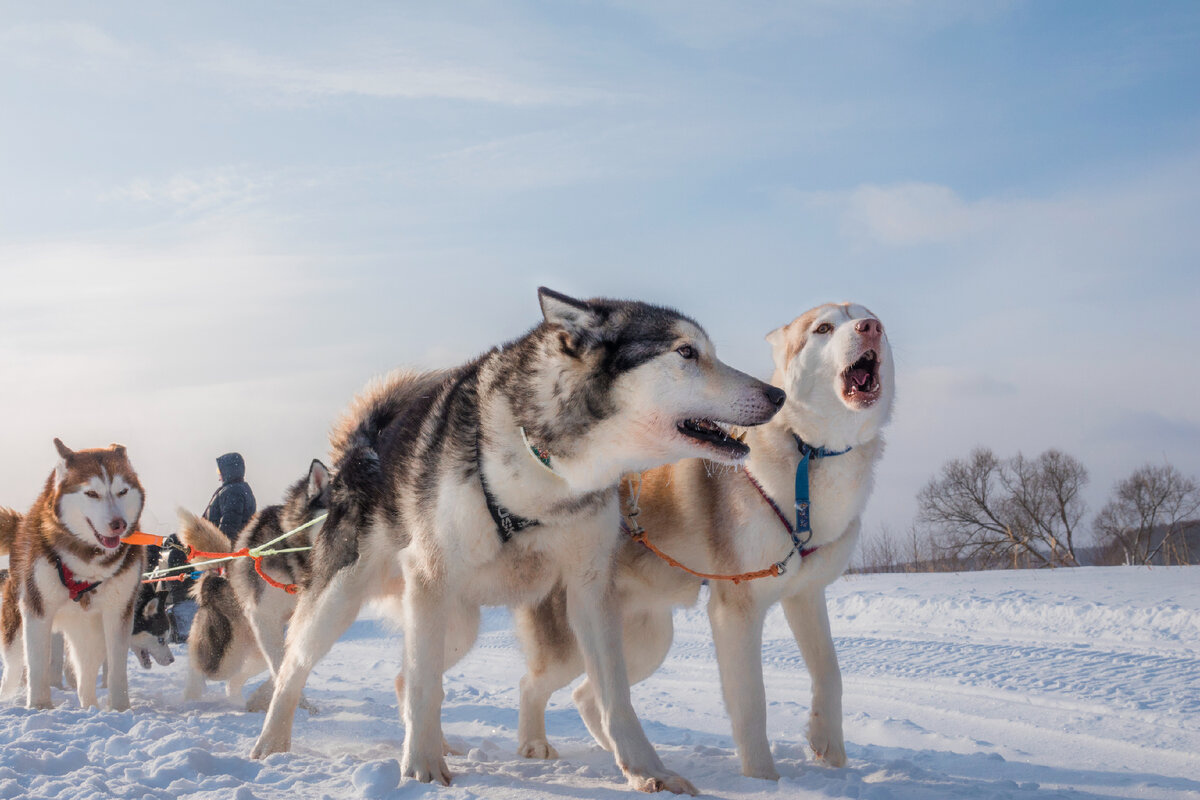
836, 365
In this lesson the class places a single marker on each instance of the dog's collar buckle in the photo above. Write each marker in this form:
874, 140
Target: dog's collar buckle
76, 589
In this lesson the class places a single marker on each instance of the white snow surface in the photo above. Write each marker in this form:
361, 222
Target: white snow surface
1080, 684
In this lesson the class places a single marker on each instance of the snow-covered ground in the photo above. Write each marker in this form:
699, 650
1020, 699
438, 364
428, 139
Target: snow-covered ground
1077, 684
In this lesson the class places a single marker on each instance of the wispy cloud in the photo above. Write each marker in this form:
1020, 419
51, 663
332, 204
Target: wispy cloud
46, 42
391, 75
198, 190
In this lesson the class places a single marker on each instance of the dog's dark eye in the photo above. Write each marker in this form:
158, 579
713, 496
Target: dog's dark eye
93, 495
122, 493
824, 327
162, 640
687, 351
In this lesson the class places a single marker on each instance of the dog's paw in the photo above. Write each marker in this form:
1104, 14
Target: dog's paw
764, 772
309, 706
426, 770
666, 782
260, 699
40, 705
827, 743
268, 744
538, 748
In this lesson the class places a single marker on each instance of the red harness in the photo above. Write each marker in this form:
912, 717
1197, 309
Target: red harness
77, 589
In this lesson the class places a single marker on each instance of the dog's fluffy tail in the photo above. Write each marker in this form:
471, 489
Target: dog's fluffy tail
200, 534
375, 407
9, 522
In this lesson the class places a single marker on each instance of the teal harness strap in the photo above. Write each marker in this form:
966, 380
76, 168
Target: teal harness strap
802, 532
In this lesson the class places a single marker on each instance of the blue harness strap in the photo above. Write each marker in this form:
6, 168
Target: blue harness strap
802, 531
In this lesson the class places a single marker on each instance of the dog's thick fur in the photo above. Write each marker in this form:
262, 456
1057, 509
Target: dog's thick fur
604, 387
240, 621
716, 522
92, 498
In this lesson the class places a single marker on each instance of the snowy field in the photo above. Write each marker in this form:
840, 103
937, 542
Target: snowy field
1079, 684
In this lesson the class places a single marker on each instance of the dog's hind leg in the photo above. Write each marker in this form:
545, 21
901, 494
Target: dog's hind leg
13, 653
194, 689
322, 615
552, 660
57, 663
252, 664
808, 618
737, 624
268, 621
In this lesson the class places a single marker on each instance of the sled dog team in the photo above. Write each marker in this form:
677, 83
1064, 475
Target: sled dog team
502, 481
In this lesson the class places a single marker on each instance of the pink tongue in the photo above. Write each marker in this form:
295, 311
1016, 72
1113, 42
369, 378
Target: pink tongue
860, 377
109, 541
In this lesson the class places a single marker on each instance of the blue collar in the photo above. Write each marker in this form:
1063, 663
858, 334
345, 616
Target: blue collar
802, 533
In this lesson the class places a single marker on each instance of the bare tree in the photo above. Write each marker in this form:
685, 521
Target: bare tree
1017, 512
1146, 513
877, 552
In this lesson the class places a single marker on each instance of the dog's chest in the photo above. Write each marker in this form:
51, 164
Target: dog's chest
838, 489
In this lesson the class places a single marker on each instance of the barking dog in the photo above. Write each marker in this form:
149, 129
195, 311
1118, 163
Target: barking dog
70, 571
836, 365
489, 483
239, 626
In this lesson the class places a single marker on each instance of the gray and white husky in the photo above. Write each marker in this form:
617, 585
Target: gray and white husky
240, 620
836, 365
493, 482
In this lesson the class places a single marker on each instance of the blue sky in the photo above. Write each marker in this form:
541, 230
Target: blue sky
218, 221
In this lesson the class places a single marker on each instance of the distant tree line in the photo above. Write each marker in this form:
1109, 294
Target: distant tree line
984, 512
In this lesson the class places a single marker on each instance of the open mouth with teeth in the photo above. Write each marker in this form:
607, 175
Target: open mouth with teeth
860, 381
714, 436
110, 542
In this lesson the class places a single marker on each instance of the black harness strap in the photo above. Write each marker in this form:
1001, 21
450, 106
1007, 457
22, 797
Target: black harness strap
507, 523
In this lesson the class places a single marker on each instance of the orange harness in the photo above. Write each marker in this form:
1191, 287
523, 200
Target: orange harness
638, 534
290, 588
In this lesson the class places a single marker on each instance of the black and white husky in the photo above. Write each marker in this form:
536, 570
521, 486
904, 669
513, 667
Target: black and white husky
492, 482
240, 619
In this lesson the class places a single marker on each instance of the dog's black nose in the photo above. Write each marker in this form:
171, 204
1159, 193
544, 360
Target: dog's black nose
775, 396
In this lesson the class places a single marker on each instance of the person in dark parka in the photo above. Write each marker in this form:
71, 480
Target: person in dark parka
232, 504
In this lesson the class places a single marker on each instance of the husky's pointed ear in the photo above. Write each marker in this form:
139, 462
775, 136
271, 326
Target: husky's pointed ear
118, 449
778, 341
60, 469
318, 477
577, 319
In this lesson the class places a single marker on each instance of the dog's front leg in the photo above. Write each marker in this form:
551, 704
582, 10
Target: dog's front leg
425, 620
737, 622
117, 621
809, 620
596, 621
36, 630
